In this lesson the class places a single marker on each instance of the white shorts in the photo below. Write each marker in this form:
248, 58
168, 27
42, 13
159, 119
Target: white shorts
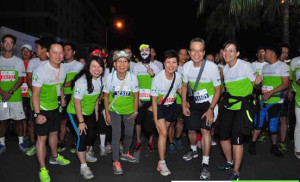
14, 111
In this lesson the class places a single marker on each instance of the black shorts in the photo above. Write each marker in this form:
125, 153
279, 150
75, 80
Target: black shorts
167, 112
230, 125
51, 125
27, 108
285, 107
179, 113
194, 121
142, 112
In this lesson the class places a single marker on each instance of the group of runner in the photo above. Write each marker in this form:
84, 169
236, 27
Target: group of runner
120, 96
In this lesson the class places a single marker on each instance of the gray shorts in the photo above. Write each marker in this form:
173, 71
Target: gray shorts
14, 111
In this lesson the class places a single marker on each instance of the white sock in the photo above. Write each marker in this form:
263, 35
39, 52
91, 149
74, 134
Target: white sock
2, 141
102, 140
162, 161
230, 162
21, 139
205, 160
83, 165
194, 148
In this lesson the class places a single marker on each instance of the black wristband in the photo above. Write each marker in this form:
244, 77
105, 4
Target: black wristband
81, 122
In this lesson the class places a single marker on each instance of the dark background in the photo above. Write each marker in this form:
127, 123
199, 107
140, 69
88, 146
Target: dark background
172, 25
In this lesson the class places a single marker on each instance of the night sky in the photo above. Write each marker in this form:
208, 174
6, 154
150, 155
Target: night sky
167, 26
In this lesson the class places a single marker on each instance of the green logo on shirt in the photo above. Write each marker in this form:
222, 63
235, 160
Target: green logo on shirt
78, 90
35, 77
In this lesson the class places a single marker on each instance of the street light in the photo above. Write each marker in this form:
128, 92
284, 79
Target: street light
119, 25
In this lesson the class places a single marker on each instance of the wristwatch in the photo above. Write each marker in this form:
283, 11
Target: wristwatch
35, 115
211, 108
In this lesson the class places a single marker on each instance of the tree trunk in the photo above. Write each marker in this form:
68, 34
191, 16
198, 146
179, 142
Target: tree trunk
285, 22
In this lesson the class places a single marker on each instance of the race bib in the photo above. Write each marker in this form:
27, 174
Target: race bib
125, 92
145, 94
201, 96
24, 88
266, 89
7, 76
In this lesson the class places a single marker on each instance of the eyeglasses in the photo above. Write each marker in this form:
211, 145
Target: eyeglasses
8, 42
120, 62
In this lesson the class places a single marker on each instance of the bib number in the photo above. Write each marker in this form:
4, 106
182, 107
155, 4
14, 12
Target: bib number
7, 76
144, 94
201, 96
266, 89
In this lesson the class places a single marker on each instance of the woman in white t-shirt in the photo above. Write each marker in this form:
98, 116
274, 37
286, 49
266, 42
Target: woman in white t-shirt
83, 110
164, 104
121, 95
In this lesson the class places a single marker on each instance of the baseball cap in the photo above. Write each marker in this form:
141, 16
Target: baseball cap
27, 46
122, 54
99, 52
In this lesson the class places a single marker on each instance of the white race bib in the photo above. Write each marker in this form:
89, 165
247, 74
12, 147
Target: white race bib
125, 92
201, 96
145, 94
170, 100
24, 88
7, 76
266, 89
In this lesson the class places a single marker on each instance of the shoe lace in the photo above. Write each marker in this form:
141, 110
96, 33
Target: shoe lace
129, 155
163, 166
87, 170
60, 158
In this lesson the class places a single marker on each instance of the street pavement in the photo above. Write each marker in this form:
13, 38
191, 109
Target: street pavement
16, 167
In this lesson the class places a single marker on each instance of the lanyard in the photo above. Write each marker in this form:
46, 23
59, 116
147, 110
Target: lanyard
57, 77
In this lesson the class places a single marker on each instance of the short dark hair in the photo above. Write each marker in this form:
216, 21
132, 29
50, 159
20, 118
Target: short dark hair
259, 48
181, 48
53, 43
170, 54
73, 46
10, 36
237, 46
44, 42
275, 48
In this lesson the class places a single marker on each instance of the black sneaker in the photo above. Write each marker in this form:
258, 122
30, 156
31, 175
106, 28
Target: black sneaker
226, 167
234, 176
205, 174
252, 148
61, 147
276, 151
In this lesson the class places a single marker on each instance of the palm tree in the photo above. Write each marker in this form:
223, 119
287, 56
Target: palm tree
229, 16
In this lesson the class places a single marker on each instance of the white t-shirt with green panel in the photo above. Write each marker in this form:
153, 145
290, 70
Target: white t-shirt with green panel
50, 80
32, 65
210, 78
11, 69
125, 102
180, 71
161, 85
257, 66
295, 66
145, 79
271, 75
238, 80
72, 69
297, 97
88, 100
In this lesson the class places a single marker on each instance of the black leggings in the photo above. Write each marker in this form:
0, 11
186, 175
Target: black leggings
88, 139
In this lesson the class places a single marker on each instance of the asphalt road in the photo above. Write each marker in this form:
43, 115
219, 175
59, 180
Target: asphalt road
16, 167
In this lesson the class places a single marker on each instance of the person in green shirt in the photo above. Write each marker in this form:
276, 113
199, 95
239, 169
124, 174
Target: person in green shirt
83, 110
121, 95
47, 81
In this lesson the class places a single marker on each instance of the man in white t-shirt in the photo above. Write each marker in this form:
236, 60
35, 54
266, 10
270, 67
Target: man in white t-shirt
200, 108
12, 73
153, 60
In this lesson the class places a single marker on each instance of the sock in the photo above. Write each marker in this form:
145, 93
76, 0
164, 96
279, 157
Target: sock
162, 161
194, 148
83, 165
21, 139
102, 140
230, 162
205, 160
2, 141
